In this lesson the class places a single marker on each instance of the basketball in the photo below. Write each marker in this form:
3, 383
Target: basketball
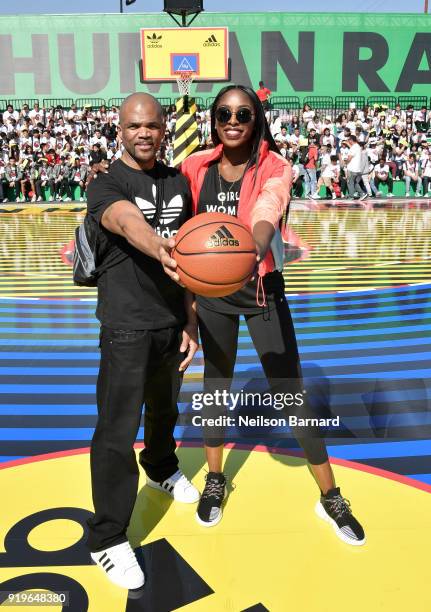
215, 253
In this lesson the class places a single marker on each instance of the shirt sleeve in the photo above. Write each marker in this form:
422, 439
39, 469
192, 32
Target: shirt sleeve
274, 196
102, 192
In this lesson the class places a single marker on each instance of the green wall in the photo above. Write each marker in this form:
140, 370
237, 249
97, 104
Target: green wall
300, 54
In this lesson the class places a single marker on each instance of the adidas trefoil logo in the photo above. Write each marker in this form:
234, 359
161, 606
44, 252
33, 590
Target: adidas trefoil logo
211, 42
170, 210
222, 237
154, 41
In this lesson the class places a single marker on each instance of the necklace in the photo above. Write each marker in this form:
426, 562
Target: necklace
232, 184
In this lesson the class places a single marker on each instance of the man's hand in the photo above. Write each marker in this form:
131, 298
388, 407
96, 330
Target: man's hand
190, 343
169, 264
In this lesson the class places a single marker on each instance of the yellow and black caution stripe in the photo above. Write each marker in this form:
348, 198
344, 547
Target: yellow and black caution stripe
186, 130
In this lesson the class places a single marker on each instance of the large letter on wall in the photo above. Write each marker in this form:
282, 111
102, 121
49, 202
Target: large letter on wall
129, 46
353, 67
276, 51
410, 73
38, 64
101, 64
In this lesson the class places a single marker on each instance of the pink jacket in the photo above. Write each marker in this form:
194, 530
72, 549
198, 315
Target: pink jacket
265, 199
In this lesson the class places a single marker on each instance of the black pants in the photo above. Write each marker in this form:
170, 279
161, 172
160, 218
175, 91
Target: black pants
136, 367
273, 336
16, 189
389, 182
71, 189
297, 187
63, 188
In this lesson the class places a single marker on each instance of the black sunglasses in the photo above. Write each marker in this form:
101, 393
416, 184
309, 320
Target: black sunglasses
224, 114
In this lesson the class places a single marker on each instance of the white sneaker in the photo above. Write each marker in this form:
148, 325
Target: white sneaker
378, 194
315, 196
334, 196
39, 199
121, 566
67, 199
390, 195
178, 487
33, 199
418, 195
81, 199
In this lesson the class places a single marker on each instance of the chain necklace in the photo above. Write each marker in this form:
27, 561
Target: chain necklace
231, 185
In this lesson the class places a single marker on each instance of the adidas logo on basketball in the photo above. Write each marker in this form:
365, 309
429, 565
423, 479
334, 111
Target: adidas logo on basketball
222, 237
211, 42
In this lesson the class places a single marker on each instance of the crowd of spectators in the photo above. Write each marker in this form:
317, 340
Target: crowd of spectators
49, 153
358, 151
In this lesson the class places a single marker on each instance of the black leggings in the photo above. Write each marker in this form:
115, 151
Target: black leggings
273, 336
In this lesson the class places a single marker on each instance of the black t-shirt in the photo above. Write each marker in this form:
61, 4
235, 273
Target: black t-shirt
135, 293
219, 195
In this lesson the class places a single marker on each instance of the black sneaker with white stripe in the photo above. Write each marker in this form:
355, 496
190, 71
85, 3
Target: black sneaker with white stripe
209, 511
121, 566
335, 509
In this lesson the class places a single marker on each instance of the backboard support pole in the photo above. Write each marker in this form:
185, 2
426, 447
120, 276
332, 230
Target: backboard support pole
183, 23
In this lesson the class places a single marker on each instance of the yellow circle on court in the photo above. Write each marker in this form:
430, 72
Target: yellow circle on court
51, 534
269, 549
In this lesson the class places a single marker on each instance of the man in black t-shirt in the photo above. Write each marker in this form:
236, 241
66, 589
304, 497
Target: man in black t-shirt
148, 335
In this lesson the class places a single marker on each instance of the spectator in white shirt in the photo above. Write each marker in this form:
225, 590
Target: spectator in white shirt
354, 169
294, 138
74, 114
98, 138
383, 175
10, 114
327, 138
426, 174
366, 169
114, 115
307, 113
411, 175
329, 174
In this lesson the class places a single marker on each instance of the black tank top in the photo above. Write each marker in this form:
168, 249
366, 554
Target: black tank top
219, 195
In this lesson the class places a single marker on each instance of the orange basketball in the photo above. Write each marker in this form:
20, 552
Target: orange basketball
215, 253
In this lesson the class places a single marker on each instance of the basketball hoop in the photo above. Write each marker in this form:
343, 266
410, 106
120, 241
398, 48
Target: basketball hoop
184, 81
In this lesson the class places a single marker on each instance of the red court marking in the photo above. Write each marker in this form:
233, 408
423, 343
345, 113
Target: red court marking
411, 482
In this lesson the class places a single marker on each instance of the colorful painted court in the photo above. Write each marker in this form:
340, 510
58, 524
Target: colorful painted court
358, 281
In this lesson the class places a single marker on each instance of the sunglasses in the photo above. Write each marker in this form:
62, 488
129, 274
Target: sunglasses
224, 114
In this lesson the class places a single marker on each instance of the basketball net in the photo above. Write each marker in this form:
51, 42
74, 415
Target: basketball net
184, 82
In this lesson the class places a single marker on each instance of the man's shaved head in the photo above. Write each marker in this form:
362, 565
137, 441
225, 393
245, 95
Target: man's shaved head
141, 129
138, 100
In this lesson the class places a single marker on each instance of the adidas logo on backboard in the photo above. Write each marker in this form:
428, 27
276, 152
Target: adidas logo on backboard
222, 237
154, 41
211, 42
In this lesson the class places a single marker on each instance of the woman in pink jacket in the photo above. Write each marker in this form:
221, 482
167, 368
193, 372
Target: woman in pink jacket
246, 177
